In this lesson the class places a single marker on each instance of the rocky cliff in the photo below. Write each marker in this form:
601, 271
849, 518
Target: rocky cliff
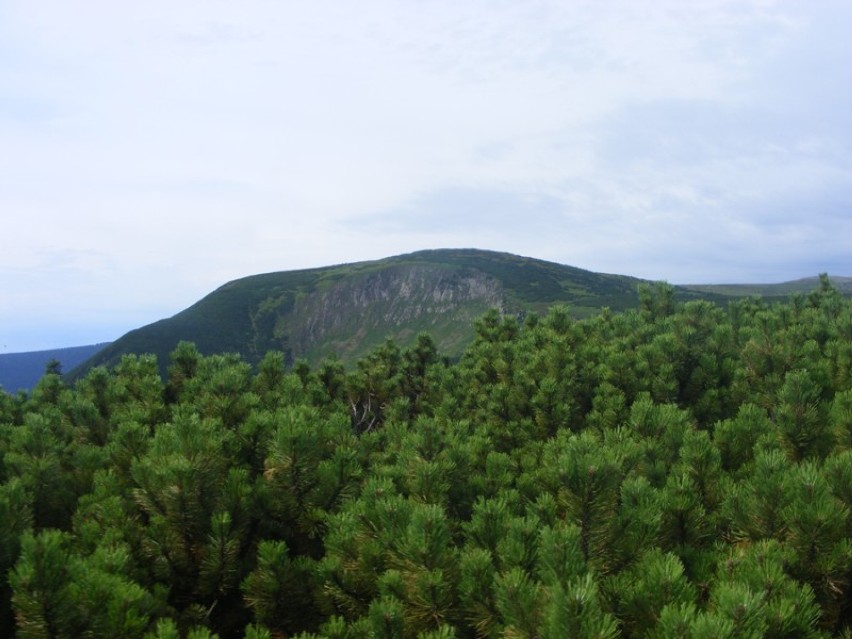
359, 312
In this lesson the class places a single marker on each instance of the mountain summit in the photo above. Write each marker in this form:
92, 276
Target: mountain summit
348, 309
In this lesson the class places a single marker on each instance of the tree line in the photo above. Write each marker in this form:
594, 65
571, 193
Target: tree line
676, 470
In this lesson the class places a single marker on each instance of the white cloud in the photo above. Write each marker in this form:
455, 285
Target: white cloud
164, 147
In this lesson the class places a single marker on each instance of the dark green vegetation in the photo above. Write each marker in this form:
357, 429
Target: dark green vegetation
349, 310
675, 470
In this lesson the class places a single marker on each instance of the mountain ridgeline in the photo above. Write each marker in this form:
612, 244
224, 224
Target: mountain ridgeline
21, 371
346, 311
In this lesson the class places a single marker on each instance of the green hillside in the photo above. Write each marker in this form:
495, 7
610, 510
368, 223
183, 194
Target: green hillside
349, 309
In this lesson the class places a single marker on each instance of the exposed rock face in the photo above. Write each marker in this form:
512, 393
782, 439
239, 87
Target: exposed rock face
406, 297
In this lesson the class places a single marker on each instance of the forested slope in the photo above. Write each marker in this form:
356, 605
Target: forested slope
676, 470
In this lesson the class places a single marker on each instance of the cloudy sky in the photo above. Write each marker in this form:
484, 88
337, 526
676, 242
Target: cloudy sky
151, 151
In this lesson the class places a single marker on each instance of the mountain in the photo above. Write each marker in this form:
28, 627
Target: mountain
21, 371
347, 310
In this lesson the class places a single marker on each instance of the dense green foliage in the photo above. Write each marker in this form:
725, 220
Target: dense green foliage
675, 470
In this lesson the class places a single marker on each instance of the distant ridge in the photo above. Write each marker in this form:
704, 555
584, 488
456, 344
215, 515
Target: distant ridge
346, 310
21, 371
843, 284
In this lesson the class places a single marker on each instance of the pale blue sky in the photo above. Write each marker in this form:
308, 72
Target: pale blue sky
151, 151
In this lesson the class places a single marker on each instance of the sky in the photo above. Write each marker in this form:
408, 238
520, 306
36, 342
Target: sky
152, 151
